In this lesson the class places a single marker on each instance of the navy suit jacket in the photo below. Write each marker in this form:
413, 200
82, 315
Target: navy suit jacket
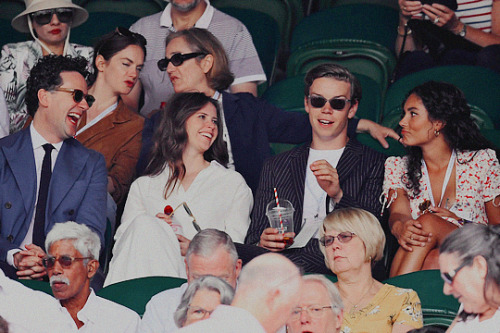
361, 174
77, 190
252, 124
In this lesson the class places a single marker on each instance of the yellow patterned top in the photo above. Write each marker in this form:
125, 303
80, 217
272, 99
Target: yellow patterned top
390, 306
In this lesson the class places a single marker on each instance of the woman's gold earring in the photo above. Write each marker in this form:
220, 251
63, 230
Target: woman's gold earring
436, 133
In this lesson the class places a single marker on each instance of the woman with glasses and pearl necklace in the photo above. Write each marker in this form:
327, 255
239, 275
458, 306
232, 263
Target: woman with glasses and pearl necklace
352, 240
49, 23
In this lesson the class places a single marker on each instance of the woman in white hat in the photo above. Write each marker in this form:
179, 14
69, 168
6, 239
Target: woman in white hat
49, 22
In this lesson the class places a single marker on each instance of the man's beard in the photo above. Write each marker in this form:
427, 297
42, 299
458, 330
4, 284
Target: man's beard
186, 7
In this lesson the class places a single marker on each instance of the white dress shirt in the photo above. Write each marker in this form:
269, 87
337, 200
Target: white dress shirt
27, 310
159, 315
37, 140
100, 315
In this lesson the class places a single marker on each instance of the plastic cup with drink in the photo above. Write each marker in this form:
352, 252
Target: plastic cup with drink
280, 215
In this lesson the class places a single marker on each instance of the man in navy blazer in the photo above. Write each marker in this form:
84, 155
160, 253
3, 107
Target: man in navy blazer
331, 172
56, 98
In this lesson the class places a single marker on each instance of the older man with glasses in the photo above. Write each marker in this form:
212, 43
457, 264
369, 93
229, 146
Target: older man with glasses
72, 261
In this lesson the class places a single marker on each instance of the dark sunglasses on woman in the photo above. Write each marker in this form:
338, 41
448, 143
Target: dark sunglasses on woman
177, 59
42, 17
78, 95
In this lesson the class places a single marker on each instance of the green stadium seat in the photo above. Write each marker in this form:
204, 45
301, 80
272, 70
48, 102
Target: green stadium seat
369, 22
265, 35
136, 293
139, 8
279, 10
359, 56
323, 4
480, 86
37, 285
10, 9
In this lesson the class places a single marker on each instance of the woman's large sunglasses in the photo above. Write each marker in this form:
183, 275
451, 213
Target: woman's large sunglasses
177, 59
65, 261
43, 17
343, 237
78, 95
336, 103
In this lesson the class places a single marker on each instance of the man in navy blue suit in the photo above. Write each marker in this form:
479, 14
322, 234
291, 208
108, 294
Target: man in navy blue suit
331, 172
46, 176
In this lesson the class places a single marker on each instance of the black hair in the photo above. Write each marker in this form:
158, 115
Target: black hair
113, 42
46, 75
444, 102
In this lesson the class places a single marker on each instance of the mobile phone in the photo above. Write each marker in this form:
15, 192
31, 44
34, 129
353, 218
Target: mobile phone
452, 4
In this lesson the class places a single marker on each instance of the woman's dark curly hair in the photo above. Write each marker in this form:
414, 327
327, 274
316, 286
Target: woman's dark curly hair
444, 102
46, 75
201, 40
113, 42
171, 137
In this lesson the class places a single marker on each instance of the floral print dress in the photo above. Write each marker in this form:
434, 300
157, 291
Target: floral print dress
477, 179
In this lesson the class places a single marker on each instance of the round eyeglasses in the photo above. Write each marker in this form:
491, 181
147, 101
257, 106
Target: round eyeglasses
343, 237
65, 261
315, 311
78, 95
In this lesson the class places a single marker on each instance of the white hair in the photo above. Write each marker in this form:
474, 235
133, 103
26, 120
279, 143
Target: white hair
333, 292
85, 241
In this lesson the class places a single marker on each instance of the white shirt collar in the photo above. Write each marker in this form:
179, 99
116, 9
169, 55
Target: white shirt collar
203, 21
37, 140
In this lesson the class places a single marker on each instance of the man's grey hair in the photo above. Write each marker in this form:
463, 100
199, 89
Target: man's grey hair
207, 282
207, 241
333, 292
85, 241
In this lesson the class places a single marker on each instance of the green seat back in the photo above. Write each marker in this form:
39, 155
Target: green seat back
9, 34
38, 285
359, 56
279, 10
10, 9
480, 86
437, 308
138, 8
98, 24
265, 35
136, 293
369, 22
323, 4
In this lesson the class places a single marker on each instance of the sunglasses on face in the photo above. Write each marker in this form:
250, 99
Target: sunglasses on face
42, 17
448, 277
336, 103
343, 237
177, 59
78, 95
65, 261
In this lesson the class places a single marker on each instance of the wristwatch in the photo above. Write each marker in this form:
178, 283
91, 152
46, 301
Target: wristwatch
463, 31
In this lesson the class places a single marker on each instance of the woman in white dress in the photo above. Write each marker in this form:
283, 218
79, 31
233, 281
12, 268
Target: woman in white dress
187, 165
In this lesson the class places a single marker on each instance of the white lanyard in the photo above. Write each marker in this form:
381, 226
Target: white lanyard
447, 176
99, 117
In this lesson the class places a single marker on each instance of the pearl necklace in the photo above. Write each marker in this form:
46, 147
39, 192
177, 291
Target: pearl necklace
355, 305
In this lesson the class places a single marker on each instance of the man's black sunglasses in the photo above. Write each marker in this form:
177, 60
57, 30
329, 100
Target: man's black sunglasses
336, 103
78, 95
42, 17
177, 59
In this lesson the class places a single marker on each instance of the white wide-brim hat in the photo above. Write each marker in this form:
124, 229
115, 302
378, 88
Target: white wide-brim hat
20, 22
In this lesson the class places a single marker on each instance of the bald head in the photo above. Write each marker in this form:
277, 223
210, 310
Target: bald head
268, 288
